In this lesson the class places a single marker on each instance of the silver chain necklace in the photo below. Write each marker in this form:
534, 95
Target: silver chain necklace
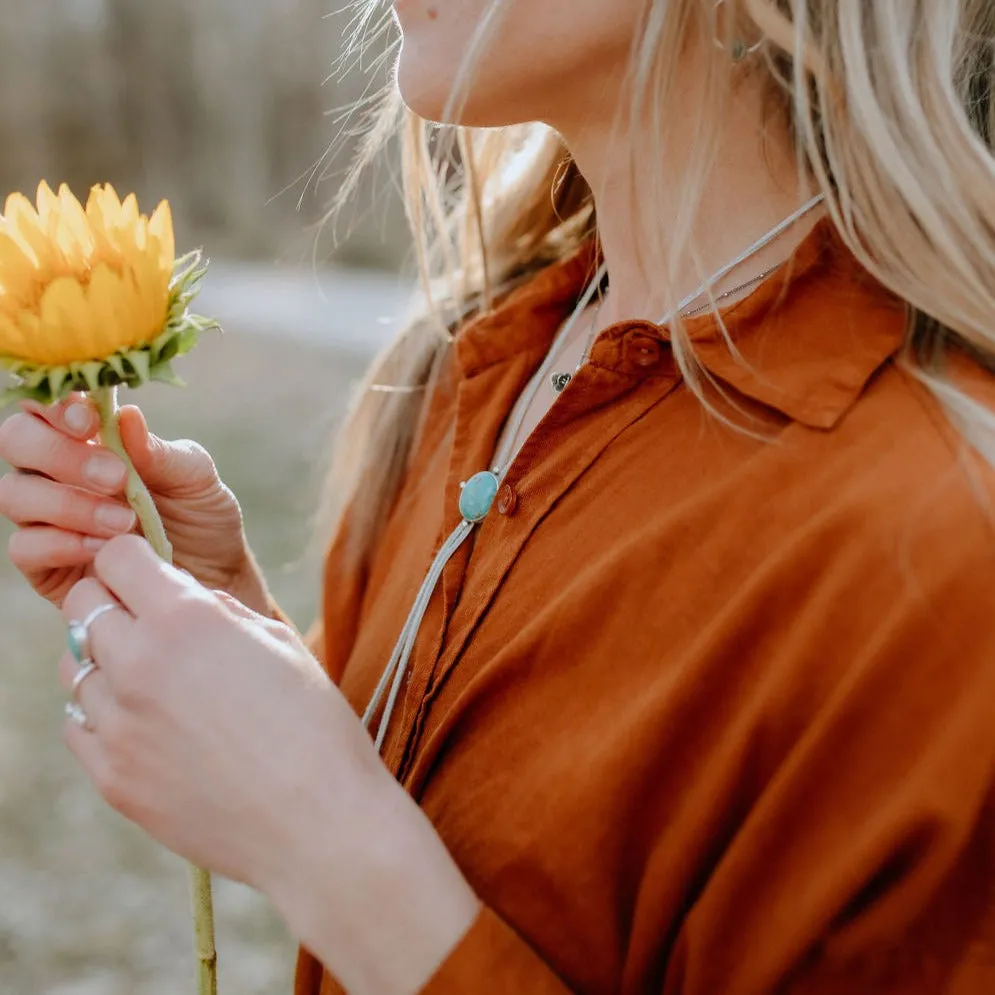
479, 492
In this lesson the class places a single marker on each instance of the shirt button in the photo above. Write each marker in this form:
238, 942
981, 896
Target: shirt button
644, 352
507, 500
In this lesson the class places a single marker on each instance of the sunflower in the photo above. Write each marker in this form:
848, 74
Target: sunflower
92, 297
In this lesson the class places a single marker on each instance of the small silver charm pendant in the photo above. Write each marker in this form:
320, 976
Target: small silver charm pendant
560, 381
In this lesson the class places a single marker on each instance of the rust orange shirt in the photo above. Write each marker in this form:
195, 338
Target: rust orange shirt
697, 713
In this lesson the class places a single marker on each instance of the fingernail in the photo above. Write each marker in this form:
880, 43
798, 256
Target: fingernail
79, 417
92, 544
113, 516
105, 471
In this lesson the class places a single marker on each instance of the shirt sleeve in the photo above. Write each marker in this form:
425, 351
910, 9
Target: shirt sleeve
490, 959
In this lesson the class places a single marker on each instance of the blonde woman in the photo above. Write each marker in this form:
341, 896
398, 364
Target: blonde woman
658, 632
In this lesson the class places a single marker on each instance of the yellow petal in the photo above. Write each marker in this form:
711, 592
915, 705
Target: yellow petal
122, 226
66, 322
17, 204
102, 212
73, 234
146, 278
116, 310
21, 216
160, 275
129, 212
48, 210
104, 295
149, 315
105, 198
19, 274
161, 229
11, 338
37, 348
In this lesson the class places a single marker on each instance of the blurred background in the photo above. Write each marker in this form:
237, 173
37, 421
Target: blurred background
232, 110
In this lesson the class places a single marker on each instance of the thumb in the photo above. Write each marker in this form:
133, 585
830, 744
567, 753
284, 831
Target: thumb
166, 467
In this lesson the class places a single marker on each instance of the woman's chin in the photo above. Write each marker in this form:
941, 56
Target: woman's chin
421, 94
434, 101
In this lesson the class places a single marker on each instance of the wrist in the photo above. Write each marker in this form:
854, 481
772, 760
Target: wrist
383, 907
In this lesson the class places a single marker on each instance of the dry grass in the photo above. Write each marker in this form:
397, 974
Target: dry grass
89, 905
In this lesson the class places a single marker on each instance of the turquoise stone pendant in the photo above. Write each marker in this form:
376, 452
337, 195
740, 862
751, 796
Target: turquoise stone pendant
478, 495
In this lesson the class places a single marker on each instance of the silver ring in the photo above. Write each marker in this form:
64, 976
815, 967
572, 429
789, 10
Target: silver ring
79, 634
76, 713
81, 675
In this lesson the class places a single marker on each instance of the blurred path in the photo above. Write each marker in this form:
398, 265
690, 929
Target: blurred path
353, 311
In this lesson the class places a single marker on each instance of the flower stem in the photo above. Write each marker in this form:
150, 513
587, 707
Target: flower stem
148, 517
137, 493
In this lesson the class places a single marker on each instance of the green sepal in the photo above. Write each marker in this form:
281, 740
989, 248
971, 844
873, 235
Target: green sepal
163, 373
130, 367
116, 363
140, 362
35, 377
90, 372
57, 376
16, 393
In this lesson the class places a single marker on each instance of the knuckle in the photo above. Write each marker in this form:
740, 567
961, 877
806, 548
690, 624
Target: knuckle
84, 592
199, 463
67, 504
195, 451
181, 610
116, 549
280, 631
48, 448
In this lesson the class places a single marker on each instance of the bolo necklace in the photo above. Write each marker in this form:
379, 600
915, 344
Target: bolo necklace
478, 493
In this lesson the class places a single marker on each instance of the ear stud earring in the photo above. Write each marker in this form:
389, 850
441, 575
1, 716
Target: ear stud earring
740, 50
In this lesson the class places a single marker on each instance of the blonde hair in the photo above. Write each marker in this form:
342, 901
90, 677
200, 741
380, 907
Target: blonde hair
891, 107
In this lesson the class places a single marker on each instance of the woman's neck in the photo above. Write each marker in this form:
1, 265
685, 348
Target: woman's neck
752, 186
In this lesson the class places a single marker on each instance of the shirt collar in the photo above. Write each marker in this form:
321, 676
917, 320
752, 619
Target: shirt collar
809, 339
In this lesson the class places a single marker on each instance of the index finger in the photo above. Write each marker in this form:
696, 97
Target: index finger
108, 633
76, 415
137, 576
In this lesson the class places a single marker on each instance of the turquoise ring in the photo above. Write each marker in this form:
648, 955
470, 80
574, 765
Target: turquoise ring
78, 636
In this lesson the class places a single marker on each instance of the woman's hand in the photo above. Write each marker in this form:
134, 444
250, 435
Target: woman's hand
66, 494
216, 730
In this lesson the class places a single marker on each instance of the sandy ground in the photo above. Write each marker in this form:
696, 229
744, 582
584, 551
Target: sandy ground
88, 905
